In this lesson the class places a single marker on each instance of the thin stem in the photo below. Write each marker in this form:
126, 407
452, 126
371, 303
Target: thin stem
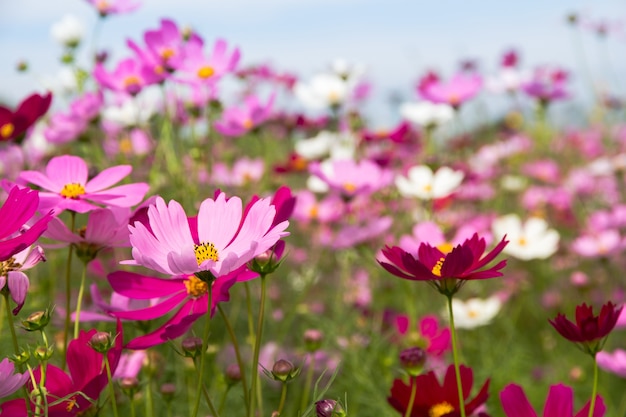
455, 357
111, 388
233, 338
594, 391
409, 409
79, 301
223, 400
249, 310
68, 292
205, 343
257, 349
9, 313
283, 397
132, 407
307, 383
149, 403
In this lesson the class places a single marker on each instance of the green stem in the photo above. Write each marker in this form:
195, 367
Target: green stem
409, 409
249, 310
257, 349
283, 397
594, 391
68, 292
455, 356
79, 301
307, 383
149, 403
233, 338
9, 314
111, 388
205, 343
132, 407
223, 400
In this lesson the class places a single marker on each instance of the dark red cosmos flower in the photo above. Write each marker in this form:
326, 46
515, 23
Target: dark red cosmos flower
446, 271
14, 124
435, 400
589, 331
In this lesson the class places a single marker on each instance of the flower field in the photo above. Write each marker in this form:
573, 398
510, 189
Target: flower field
184, 233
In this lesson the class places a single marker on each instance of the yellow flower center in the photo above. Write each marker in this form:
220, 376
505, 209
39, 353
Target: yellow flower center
6, 130
102, 6
126, 145
440, 409
248, 123
445, 247
428, 188
131, 81
196, 287
454, 100
349, 187
8, 266
313, 212
72, 190
521, 241
167, 53
437, 268
71, 403
158, 70
206, 72
205, 251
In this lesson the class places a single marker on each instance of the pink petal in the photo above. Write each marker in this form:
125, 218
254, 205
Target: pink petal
515, 403
107, 178
122, 196
143, 287
219, 220
67, 169
18, 287
560, 401
154, 311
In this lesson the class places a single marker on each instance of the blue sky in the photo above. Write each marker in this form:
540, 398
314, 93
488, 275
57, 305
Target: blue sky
396, 40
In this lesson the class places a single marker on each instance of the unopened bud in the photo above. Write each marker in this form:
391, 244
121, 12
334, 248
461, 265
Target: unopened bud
313, 339
36, 321
329, 408
192, 346
101, 342
284, 371
43, 353
167, 391
412, 360
232, 374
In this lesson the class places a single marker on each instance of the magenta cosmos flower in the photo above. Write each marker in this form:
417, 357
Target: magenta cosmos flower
187, 293
18, 209
436, 339
560, 403
221, 240
86, 380
237, 121
67, 186
589, 331
130, 76
13, 124
446, 271
456, 91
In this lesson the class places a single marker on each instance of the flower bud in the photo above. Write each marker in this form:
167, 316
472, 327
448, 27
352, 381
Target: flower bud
232, 374
42, 353
22, 66
129, 385
284, 371
168, 391
21, 358
412, 360
329, 408
192, 346
101, 342
36, 321
313, 339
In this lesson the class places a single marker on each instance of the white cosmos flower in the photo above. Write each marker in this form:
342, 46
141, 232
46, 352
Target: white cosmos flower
323, 91
426, 185
335, 145
69, 31
475, 312
425, 113
530, 240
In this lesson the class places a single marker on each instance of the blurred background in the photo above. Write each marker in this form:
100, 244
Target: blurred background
396, 41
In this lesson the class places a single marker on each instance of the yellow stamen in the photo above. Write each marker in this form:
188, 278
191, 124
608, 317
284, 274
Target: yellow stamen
71, 403
349, 187
437, 268
8, 266
454, 100
131, 81
102, 5
445, 247
522, 241
205, 251
167, 53
126, 145
313, 212
158, 70
72, 190
205, 72
472, 314
428, 188
440, 409
7, 130
248, 123
196, 287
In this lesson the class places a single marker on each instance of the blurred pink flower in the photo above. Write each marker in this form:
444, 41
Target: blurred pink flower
350, 178
560, 403
197, 69
437, 338
68, 188
10, 381
309, 209
456, 91
547, 84
237, 121
613, 362
598, 244
107, 7
130, 76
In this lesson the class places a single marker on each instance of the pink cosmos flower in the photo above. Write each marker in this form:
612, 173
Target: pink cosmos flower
221, 240
107, 7
186, 292
309, 209
547, 84
13, 277
130, 76
560, 403
167, 43
68, 187
87, 376
197, 69
613, 362
10, 381
18, 209
237, 121
351, 178
437, 338
244, 171
599, 244
459, 89
130, 364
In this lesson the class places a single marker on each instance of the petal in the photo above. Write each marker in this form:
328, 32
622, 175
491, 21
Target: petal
67, 169
143, 287
219, 220
515, 403
18, 287
155, 311
559, 402
158, 336
107, 178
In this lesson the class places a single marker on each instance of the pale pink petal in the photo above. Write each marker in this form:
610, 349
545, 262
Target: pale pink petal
107, 178
169, 225
67, 169
183, 262
18, 287
219, 220
147, 250
40, 180
125, 195
57, 230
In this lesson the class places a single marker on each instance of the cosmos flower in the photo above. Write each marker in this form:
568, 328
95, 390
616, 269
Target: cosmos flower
67, 186
437, 338
547, 84
186, 292
435, 399
350, 178
130, 76
459, 89
530, 240
323, 91
198, 69
446, 271
69, 31
219, 241
425, 184
107, 7
13, 124
426, 114
560, 403
18, 209
475, 312
590, 331
10, 381
13, 277
237, 121
614, 362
